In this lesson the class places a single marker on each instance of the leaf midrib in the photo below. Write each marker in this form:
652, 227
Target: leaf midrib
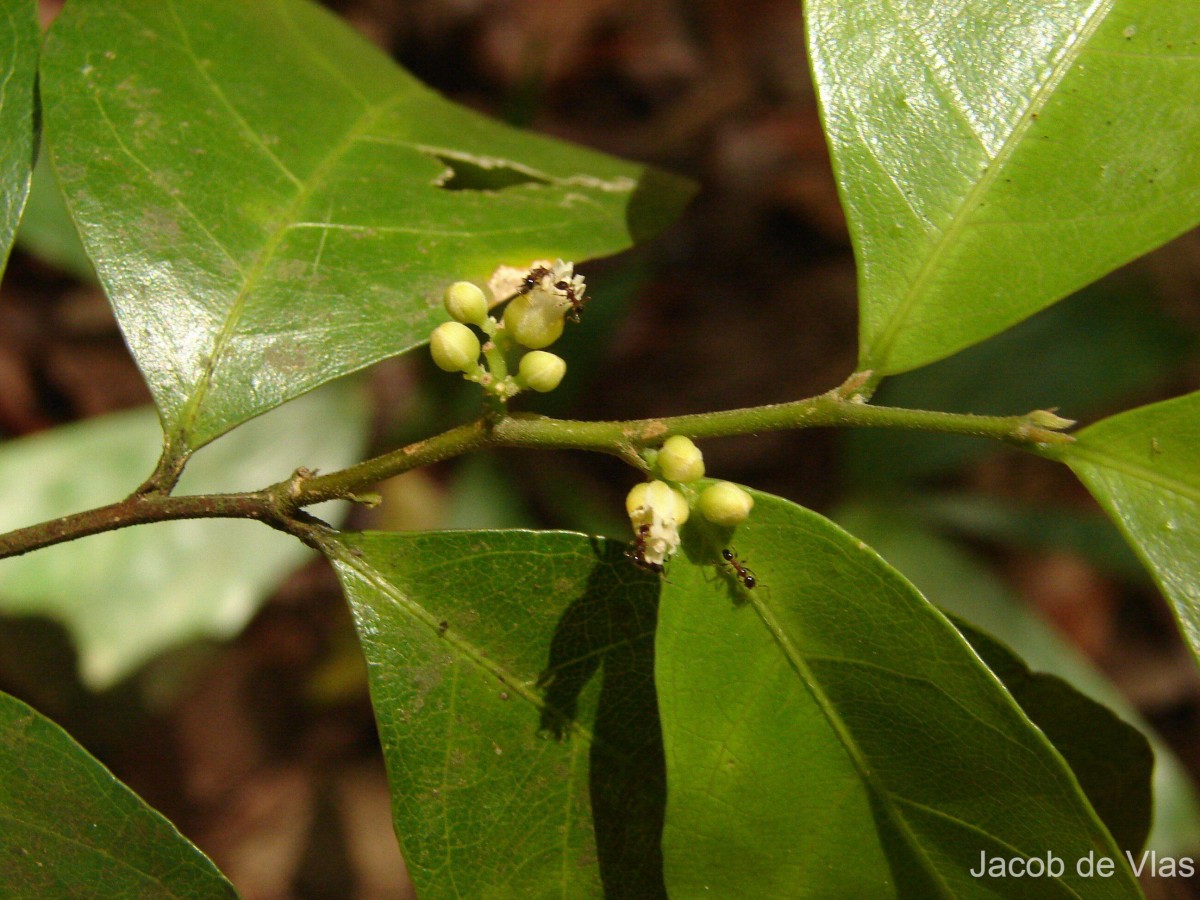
290, 213
875, 355
1125, 466
890, 800
846, 738
467, 649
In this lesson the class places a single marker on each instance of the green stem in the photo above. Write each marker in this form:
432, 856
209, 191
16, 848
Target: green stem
303, 490
627, 439
496, 363
280, 505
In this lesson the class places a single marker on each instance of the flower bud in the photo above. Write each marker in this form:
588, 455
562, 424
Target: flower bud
541, 371
682, 510
646, 496
454, 347
652, 499
724, 503
1046, 418
466, 303
680, 459
533, 322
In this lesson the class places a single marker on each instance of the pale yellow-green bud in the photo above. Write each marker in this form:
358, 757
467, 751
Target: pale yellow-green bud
466, 303
682, 510
724, 503
1046, 418
533, 322
652, 498
680, 459
648, 496
541, 371
635, 500
454, 347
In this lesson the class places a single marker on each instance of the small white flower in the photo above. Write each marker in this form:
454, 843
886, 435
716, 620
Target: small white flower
553, 286
566, 286
507, 281
656, 510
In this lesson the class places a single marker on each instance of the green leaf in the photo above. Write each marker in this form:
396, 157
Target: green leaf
127, 595
46, 229
19, 39
1143, 466
483, 647
1082, 356
830, 734
1111, 759
994, 157
72, 830
271, 203
957, 582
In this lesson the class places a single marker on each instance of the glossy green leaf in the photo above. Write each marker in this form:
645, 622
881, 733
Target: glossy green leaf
270, 202
70, 829
830, 734
1111, 759
995, 156
19, 39
129, 594
1143, 466
950, 577
512, 675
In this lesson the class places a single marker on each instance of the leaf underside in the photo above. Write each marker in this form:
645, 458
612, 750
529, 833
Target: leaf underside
70, 829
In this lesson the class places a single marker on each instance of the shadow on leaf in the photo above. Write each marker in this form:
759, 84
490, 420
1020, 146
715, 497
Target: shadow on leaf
612, 631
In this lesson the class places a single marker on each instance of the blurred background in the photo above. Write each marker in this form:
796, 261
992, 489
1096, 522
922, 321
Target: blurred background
261, 747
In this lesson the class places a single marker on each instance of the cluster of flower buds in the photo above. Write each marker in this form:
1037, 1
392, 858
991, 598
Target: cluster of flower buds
540, 299
658, 508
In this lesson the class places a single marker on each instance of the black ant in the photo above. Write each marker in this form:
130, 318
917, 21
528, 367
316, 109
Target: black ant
534, 278
638, 552
577, 303
748, 579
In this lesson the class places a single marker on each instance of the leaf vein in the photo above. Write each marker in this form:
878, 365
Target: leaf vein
128, 151
317, 56
252, 278
92, 848
1015, 851
1128, 467
219, 92
875, 355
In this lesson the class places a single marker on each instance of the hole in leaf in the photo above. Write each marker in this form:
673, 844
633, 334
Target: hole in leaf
482, 175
